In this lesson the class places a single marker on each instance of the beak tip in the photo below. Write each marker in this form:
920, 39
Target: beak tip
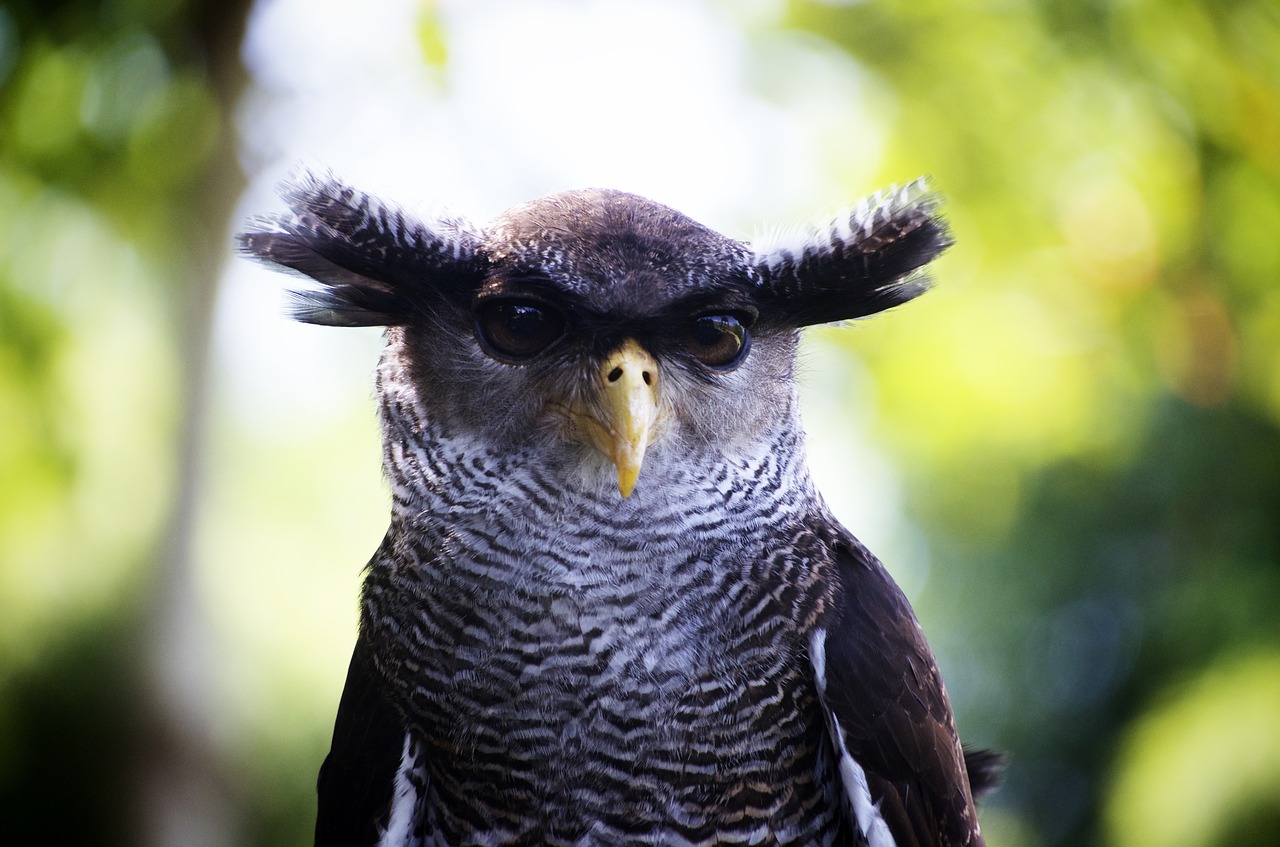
626, 484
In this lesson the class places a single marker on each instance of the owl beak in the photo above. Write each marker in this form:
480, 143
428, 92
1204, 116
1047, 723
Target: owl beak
627, 409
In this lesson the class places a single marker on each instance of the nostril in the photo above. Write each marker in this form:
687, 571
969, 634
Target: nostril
648, 378
616, 374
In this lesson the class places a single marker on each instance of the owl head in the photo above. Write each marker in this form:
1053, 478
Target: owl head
596, 323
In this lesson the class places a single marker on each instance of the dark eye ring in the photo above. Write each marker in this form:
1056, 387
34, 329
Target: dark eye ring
719, 341
516, 330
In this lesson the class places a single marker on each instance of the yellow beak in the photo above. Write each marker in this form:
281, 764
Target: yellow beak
621, 423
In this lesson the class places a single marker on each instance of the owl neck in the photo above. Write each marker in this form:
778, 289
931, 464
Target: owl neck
438, 476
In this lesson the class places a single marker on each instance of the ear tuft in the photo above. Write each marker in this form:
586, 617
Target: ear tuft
861, 262
376, 265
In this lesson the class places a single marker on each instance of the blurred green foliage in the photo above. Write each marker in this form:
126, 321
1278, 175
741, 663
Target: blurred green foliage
1085, 414
116, 180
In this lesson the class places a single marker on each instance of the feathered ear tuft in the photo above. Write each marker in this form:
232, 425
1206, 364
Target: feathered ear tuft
377, 265
864, 261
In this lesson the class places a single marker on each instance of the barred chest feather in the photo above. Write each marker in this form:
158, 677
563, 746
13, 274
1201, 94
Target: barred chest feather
581, 669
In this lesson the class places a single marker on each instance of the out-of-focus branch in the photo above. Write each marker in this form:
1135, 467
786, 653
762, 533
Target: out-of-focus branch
183, 792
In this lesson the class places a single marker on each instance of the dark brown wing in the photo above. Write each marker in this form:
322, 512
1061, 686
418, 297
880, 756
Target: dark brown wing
889, 715
358, 777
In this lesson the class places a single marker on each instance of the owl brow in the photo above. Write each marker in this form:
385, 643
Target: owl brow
532, 285
727, 300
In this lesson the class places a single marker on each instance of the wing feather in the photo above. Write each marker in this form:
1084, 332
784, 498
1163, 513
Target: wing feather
358, 779
888, 713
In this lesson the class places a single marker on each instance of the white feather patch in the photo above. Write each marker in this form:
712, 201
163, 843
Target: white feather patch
854, 779
406, 800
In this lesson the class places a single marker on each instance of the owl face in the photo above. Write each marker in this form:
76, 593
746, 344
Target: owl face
606, 323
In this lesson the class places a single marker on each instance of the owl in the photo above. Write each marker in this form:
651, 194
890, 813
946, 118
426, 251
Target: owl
611, 607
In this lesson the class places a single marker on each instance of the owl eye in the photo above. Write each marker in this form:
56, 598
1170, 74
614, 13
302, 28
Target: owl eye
518, 329
718, 341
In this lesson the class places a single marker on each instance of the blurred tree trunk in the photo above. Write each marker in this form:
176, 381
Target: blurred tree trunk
185, 793
118, 117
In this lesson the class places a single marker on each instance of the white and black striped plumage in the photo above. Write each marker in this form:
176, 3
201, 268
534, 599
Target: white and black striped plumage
611, 607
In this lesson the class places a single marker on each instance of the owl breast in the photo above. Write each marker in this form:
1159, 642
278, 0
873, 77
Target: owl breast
558, 662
